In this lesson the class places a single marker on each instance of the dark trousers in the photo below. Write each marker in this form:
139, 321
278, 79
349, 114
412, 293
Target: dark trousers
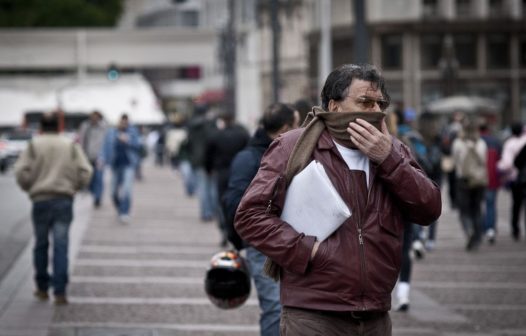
469, 201
405, 269
52, 217
518, 194
306, 322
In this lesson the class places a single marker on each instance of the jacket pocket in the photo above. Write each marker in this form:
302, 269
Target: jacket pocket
319, 261
390, 224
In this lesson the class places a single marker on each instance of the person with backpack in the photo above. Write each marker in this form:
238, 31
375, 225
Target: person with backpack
490, 197
51, 170
511, 149
469, 155
340, 285
277, 119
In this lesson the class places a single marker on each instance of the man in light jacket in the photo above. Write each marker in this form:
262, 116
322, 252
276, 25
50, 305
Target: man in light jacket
91, 138
51, 170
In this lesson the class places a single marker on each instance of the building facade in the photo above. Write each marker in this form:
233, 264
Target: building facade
428, 49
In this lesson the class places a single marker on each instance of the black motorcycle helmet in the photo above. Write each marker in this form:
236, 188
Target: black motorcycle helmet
227, 281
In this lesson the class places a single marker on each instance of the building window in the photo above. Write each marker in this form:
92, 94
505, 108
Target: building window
466, 50
430, 8
431, 50
464, 8
392, 51
497, 8
498, 51
522, 50
189, 18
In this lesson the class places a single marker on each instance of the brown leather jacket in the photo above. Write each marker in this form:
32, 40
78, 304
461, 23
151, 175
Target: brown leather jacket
356, 268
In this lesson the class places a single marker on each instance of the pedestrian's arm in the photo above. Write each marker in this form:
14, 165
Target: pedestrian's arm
257, 218
24, 170
417, 196
84, 169
242, 170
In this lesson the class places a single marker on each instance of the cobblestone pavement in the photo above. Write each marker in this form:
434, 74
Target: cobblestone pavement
146, 278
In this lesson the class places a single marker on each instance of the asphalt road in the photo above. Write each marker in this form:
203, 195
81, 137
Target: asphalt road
15, 221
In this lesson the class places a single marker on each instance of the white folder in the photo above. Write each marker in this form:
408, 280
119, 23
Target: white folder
312, 204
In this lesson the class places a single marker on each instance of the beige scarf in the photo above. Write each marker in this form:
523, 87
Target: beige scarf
317, 120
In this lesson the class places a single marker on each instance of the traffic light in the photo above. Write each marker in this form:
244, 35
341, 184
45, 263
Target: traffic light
112, 73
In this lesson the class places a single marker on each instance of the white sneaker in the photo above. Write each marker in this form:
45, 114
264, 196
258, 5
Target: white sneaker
402, 296
418, 249
124, 219
490, 235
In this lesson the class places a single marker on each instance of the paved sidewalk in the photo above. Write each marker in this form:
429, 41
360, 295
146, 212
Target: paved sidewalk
146, 278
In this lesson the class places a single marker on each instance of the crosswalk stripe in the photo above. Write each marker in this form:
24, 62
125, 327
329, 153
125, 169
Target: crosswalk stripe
142, 263
136, 280
148, 301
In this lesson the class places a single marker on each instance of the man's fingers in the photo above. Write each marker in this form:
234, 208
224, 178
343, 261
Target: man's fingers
385, 130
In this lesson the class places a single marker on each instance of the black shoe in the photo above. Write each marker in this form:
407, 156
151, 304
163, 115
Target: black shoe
516, 236
96, 204
403, 307
472, 244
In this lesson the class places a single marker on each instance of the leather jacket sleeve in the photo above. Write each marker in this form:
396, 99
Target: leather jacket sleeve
417, 195
257, 218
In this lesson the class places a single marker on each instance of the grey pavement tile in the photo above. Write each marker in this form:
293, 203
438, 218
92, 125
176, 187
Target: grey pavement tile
203, 257
477, 296
172, 314
495, 319
137, 271
472, 276
115, 332
137, 290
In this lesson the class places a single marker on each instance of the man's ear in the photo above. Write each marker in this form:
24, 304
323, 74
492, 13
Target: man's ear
333, 106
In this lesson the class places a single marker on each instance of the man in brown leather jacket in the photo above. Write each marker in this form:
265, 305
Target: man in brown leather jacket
341, 285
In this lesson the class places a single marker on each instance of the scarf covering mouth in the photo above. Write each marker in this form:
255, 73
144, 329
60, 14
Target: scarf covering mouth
336, 123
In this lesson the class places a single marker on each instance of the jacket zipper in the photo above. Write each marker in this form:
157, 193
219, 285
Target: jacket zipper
274, 193
359, 226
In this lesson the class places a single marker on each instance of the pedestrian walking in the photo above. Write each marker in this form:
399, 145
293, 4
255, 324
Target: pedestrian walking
340, 285
91, 137
510, 150
449, 135
469, 153
200, 126
277, 119
222, 145
490, 197
121, 152
51, 170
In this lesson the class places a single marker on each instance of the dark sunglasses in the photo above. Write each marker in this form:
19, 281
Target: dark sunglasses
368, 102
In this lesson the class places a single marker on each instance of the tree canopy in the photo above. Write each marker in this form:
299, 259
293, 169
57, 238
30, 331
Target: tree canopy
59, 13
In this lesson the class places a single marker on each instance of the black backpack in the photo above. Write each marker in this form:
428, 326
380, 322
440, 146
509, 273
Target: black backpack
520, 163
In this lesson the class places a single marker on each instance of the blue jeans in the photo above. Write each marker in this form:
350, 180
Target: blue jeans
96, 185
268, 293
491, 209
122, 184
52, 216
207, 195
188, 177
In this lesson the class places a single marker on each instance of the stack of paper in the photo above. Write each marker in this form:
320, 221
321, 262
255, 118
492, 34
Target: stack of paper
312, 205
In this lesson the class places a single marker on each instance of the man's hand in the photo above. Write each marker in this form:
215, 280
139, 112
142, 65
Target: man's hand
123, 137
370, 141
